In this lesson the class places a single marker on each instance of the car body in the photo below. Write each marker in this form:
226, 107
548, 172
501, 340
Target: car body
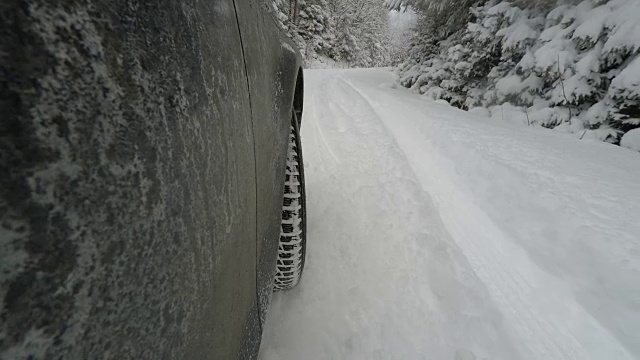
143, 147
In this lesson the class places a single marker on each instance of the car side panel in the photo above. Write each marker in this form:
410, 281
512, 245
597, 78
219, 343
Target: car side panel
272, 68
127, 182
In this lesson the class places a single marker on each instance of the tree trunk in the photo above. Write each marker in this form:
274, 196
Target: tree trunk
293, 13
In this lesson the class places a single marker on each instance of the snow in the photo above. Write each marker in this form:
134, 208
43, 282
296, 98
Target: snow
631, 140
480, 111
593, 25
509, 113
624, 26
442, 234
596, 113
503, 8
589, 63
509, 85
556, 50
527, 62
551, 33
516, 34
628, 81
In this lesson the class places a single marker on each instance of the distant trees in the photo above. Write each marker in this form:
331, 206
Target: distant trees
361, 27
401, 26
350, 31
444, 17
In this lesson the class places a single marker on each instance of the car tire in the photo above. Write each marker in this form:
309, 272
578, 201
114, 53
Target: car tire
292, 243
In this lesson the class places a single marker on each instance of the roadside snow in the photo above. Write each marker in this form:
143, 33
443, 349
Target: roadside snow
631, 140
437, 233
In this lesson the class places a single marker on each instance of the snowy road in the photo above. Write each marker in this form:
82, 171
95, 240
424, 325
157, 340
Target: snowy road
438, 234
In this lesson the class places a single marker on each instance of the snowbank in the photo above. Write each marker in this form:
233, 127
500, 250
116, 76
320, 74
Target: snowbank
631, 140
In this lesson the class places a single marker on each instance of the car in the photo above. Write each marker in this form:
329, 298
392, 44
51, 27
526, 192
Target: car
152, 183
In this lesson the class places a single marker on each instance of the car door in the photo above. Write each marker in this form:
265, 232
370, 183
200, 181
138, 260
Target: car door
272, 69
127, 182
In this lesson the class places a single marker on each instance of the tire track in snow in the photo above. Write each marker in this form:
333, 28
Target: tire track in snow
319, 133
556, 327
510, 287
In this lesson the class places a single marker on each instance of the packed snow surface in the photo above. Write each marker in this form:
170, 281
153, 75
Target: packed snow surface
435, 233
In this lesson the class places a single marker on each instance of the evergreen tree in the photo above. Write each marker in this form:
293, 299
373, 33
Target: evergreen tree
570, 66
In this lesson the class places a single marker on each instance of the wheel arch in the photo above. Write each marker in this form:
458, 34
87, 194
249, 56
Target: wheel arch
298, 95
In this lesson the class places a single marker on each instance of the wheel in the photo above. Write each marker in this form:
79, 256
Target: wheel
292, 243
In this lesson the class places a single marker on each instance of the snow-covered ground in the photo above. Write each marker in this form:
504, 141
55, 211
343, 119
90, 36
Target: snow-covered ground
435, 233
